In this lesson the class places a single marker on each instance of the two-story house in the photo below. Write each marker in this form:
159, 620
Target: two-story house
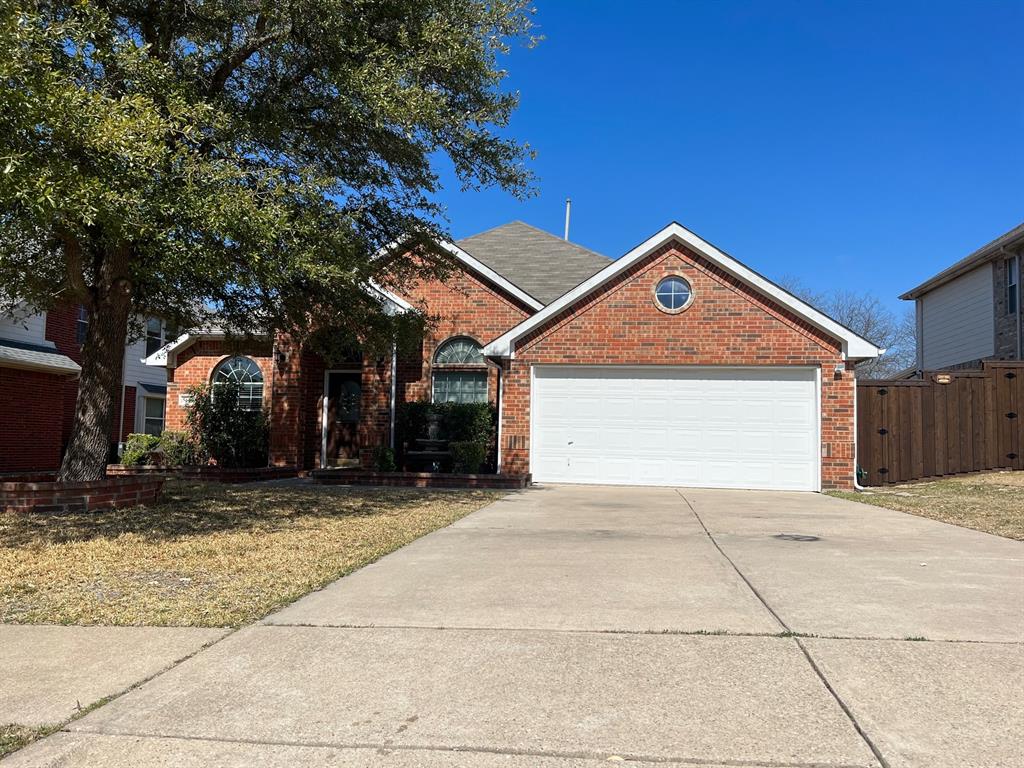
972, 311
40, 356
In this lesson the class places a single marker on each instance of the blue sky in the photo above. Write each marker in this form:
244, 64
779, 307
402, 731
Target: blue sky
863, 145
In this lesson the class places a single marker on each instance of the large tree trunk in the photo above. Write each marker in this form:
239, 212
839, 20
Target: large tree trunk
100, 383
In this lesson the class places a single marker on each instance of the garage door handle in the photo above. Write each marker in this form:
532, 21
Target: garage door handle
571, 442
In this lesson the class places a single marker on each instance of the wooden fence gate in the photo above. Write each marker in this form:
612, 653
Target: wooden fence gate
948, 423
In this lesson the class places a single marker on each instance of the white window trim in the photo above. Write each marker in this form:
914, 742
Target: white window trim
140, 408
456, 369
1012, 266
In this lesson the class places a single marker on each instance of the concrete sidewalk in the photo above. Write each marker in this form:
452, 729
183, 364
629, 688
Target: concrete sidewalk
48, 673
571, 626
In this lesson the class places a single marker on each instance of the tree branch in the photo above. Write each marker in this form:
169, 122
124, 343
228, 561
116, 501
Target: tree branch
74, 270
240, 56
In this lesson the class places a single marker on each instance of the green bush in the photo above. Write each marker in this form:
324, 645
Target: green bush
467, 421
384, 459
469, 429
180, 449
412, 420
232, 436
457, 421
467, 456
137, 448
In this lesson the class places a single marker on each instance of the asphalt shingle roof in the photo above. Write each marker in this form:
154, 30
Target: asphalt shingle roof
543, 265
16, 354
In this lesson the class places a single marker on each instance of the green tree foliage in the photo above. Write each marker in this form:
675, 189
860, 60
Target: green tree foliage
240, 159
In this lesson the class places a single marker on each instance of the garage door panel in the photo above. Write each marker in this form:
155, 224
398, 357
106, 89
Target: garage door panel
721, 441
733, 428
759, 443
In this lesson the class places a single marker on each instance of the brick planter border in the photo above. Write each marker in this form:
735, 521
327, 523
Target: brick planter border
140, 470
250, 475
207, 474
29, 494
418, 479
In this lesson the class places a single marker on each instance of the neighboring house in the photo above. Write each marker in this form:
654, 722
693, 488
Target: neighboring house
672, 365
972, 311
40, 356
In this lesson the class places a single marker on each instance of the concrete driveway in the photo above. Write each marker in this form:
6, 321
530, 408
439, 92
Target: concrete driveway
571, 626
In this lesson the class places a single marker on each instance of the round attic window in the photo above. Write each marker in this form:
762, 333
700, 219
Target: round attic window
673, 294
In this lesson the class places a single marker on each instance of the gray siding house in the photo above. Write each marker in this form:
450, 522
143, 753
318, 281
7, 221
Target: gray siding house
972, 311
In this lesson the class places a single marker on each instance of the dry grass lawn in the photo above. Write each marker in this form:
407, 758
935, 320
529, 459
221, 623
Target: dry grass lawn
992, 502
207, 555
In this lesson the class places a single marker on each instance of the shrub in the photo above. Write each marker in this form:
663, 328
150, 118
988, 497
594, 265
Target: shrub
467, 456
467, 421
459, 423
412, 420
180, 449
233, 437
384, 459
137, 448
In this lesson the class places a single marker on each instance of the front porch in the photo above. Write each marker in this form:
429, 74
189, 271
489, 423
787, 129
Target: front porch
367, 412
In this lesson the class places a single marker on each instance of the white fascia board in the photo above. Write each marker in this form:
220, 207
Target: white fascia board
394, 304
159, 358
854, 347
484, 271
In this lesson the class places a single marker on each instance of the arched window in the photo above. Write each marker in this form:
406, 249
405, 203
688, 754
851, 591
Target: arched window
460, 372
243, 372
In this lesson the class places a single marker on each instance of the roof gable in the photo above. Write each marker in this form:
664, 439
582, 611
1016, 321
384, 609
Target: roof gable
853, 345
537, 262
998, 247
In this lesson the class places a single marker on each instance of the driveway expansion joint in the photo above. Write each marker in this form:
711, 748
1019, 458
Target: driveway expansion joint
803, 649
783, 634
384, 747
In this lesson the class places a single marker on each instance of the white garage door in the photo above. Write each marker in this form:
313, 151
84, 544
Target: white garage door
710, 427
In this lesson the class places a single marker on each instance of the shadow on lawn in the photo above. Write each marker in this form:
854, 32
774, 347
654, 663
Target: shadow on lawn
195, 509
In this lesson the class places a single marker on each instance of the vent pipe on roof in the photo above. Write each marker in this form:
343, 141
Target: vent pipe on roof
568, 207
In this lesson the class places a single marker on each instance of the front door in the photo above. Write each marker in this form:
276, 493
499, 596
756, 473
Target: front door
341, 414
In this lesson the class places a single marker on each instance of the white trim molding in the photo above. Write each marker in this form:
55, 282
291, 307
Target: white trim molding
854, 347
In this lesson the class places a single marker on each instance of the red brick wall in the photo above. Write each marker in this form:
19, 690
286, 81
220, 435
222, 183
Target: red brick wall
128, 419
195, 366
727, 324
61, 329
31, 412
465, 306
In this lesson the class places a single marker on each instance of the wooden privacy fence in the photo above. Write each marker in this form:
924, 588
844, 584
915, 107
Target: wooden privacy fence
948, 423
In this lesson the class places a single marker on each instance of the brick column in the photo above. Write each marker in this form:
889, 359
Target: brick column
287, 405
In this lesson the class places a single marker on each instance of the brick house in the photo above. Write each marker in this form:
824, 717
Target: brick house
971, 311
40, 353
672, 365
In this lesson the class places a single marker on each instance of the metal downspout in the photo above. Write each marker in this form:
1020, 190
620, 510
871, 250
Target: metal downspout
394, 391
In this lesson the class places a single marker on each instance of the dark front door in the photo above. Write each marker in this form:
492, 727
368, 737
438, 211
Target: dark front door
344, 398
